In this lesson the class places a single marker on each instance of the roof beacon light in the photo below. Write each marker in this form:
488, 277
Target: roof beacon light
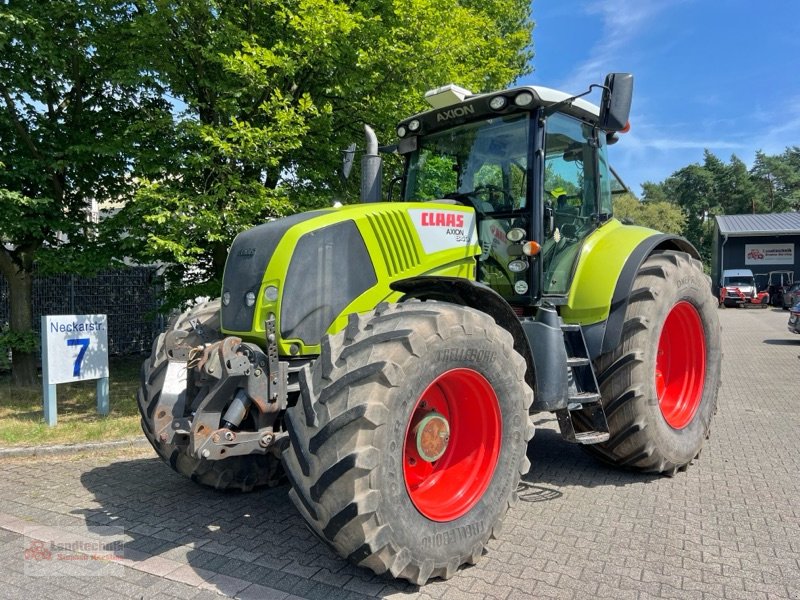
447, 95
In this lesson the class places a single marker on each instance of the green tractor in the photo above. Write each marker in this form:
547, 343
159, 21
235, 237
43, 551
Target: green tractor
386, 357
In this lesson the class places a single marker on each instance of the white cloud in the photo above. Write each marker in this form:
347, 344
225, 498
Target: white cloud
676, 143
775, 129
622, 22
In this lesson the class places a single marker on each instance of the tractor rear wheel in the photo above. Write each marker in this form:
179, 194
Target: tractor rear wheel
410, 438
659, 386
198, 325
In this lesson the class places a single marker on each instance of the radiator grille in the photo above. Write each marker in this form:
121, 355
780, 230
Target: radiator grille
393, 232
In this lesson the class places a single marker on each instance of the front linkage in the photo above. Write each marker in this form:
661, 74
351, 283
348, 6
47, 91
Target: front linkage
195, 407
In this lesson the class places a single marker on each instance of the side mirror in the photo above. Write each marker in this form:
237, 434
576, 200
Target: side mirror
615, 105
347, 161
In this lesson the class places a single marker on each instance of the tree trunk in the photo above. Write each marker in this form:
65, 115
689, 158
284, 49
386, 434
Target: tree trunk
20, 288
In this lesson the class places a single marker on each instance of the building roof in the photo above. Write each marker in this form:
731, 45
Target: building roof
768, 224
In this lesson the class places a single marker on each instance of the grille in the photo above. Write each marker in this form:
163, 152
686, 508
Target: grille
392, 230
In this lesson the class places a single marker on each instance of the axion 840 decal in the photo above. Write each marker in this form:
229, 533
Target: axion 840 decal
444, 229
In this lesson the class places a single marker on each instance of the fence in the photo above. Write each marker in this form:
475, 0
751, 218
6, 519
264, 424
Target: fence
129, 297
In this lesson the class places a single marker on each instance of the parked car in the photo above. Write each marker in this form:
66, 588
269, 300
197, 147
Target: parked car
738, 288
794, 319
791, 296
777, 285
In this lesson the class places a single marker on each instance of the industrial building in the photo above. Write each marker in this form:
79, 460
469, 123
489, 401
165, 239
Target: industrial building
762, 243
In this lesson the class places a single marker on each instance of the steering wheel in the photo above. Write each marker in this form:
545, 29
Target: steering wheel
466, 199
493, 191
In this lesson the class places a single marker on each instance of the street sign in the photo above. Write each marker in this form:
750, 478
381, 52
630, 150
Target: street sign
74, 348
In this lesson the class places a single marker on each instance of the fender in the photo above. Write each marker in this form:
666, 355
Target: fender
604, 336
466, 292
540, 341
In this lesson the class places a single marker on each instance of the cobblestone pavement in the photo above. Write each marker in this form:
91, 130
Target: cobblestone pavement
729, 527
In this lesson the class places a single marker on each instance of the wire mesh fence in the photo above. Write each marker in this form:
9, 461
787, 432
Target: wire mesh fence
129, 297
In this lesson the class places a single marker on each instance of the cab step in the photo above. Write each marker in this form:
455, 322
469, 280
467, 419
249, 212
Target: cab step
585, 403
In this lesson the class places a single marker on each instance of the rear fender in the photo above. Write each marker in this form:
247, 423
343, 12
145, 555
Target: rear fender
604, 277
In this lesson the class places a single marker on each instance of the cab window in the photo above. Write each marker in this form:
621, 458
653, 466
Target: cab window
570, 197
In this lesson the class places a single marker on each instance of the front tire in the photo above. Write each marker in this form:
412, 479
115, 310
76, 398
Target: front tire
198, 325
410, 438
659, 386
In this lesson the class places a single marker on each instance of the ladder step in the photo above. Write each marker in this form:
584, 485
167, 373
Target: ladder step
582, 398
570, 327
575, 361
592, 437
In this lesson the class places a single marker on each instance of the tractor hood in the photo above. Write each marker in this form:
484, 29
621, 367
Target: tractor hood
312, 269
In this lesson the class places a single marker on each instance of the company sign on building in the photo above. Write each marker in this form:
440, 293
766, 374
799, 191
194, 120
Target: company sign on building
769, 254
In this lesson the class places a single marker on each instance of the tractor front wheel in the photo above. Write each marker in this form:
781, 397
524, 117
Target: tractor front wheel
197, 326
410, 438
659, 386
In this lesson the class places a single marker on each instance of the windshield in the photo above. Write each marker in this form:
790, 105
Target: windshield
483, 164
739, 280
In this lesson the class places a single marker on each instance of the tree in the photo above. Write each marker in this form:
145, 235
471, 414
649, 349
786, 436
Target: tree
779, 179
734, 191
692, 189
656, 214
68, 102
716, 188
273, 90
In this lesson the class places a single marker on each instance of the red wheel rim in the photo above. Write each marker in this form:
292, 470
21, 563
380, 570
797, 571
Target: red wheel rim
447, 487
681, 365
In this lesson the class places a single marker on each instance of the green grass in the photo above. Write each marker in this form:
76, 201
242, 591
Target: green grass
22, 420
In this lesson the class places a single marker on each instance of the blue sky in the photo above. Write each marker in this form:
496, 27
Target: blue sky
716, 74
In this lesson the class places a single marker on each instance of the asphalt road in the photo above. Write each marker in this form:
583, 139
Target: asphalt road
729, 527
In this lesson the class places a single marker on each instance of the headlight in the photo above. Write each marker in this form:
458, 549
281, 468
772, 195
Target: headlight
516, 234
249, 299
517, 266
270, 293
498, 103
414, 125
523, 99
401, 131
226, 298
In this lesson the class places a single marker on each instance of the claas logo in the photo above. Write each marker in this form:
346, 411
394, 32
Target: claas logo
442, 219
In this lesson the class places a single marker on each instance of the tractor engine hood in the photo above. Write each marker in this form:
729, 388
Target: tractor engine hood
312, 269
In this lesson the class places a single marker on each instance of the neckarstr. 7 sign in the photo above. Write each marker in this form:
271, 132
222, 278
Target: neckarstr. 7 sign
74, 347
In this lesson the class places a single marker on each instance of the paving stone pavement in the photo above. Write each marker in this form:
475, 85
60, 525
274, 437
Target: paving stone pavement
727, 528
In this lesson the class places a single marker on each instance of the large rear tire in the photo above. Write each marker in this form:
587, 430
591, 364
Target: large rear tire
198, 325
659, 386
410, 438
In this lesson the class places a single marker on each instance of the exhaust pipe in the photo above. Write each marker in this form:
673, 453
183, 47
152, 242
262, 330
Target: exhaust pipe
371, 169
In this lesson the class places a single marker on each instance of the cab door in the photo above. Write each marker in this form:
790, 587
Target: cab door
571, 197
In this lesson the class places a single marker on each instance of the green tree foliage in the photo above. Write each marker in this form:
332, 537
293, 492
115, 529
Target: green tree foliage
656, 214
273, 90
69, 102
717, 188
778, 179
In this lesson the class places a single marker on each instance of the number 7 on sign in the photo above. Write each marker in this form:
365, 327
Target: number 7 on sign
84, 344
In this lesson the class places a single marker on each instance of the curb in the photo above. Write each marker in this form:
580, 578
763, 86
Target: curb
72, 448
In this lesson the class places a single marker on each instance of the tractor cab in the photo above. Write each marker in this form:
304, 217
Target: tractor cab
533, 163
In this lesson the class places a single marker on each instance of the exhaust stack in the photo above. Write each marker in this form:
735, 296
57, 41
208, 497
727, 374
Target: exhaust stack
371, 169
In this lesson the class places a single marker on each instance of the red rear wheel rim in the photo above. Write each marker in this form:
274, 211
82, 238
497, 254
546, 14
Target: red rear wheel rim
681, 365
447, 487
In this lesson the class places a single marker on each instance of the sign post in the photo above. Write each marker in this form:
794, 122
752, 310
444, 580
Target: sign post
74, 348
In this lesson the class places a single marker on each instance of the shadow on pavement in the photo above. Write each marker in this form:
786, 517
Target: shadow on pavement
556, 463
259, 537
782, 342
